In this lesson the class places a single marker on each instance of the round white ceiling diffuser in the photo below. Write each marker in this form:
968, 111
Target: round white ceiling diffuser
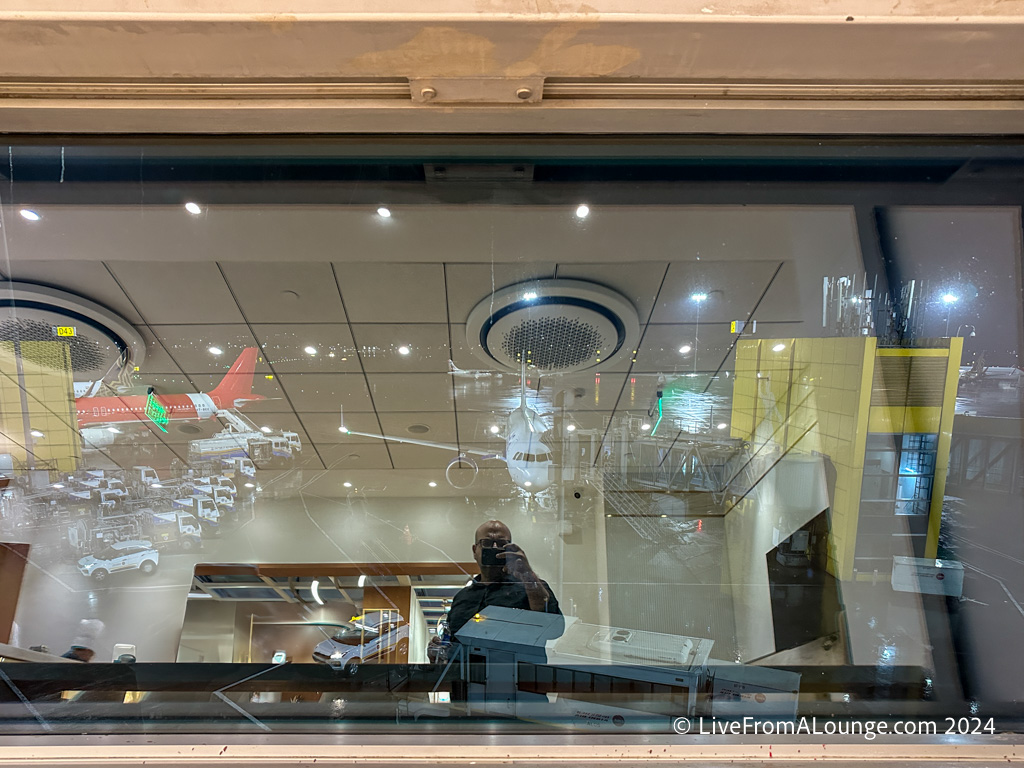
102, 345
554, 326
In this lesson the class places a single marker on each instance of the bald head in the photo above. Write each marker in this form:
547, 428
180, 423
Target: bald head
492, 529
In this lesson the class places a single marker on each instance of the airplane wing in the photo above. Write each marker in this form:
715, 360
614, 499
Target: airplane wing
428, 444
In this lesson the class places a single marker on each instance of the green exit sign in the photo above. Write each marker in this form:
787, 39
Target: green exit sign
156, 412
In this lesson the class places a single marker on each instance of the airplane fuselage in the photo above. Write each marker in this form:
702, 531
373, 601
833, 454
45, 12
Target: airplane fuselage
529, 460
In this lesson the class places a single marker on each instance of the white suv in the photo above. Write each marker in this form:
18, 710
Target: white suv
120, 556
375, 635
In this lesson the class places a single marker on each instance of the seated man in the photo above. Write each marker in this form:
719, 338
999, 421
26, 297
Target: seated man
511, 583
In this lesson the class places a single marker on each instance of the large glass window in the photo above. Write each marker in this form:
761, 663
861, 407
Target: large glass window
534, 435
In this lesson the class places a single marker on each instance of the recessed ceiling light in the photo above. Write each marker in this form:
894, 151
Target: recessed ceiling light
432, 484
36, 433
30, 215
582, 211
249, 485
384, 213
685, 349
193, 208
778, 347
527, 484
216, 351
267, 430
699, 297
571, 428
645, 427
494, 429
310, 350
347, 485
723, 425
404, 350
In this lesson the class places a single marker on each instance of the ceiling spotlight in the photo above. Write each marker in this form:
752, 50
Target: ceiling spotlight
494, 429
582, 211
778, 347
645, 426
215, 351
265, 430
193, 208
30, 215
432, 484
384, 213
570, 428
723, 425
362, 580
404, 350
310, 350
249, 485
315, 589
699, 297
115, 430
948, 298
36, 433
347, 485
527, 484
685, 349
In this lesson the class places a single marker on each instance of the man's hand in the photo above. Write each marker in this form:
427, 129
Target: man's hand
518, 567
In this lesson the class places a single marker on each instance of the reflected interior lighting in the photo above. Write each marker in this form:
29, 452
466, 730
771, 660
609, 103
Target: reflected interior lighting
58, 485
778, 347
582, 211
265, 430
432, 484
570, 428
494, 429
362, 580
315, 589
384, 213
249, 485
310, 350
723, 425
36, 433
469, 583
216, 351
527, 484
685, 349
330, 354
200, 595
950, 298
347, 485
404, 350
193, 208
530, 295
156, 485
645, 426
115, 430
30, 215
343, 429
699, 297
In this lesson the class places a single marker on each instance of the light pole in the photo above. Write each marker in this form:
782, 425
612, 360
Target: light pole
949, 300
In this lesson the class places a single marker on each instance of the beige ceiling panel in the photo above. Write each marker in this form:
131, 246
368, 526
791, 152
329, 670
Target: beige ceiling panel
660, 351
190, 346
285, 291
379, 347
264, 385
393, 293
421, 457
174, 293
638, 281
324, 427
348, 456
469, 284
412, 391
440, 426
86, 278
285, 347
157, 359
732, 289
475, 426
326, 392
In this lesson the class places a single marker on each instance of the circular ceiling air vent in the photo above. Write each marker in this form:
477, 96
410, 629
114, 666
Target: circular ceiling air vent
101, 344
553, 325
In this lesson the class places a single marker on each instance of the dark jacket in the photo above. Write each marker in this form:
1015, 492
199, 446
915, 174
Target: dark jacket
508, 593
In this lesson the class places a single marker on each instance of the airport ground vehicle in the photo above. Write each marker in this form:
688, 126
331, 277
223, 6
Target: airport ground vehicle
120, 556
371, 636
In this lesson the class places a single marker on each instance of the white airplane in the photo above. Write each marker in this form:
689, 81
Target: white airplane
527, 457
459, 373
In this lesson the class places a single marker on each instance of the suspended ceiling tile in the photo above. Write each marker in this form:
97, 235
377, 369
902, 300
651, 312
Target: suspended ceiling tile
440, 426
285, 347
323, 427
157, 359
354, 456
379, 346
469, 284
285, 291
411, 391
326, 392
393, 293
177, 292
421, 457
732, 289
190, 346
637, 281
85, 278
264, 384
475, 426
708, 344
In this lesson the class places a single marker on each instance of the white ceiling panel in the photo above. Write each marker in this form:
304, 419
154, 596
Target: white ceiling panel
285, 345
440, 426
393, 293
285, 292
411, 392
190, 346
86, 278
379, 345
326, 392
182, 292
